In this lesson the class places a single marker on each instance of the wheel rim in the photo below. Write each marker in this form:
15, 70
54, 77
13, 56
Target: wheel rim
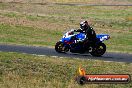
100, 50
60, 47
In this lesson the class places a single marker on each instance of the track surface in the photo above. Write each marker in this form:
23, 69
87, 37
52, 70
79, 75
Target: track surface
117, 57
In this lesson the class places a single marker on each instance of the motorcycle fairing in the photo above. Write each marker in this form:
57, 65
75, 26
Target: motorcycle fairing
103, 37
82, 36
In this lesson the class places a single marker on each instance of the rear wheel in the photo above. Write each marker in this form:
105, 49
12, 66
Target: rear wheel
60, 48
99, 50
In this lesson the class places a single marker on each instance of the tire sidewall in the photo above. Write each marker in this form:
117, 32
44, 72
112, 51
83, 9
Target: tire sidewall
56, 46
57, 49
95, 50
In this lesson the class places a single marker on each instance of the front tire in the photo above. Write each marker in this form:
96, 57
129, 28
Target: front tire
99, 50
59, 47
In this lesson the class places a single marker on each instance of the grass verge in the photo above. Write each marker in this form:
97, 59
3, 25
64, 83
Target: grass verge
10, 34
29, 71
43, 24
28, 35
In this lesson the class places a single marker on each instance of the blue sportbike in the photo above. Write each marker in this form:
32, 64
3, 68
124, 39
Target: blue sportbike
76, 43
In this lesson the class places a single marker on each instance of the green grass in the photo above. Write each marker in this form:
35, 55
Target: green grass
27, 35
93, 1
29, 71
45, 23
41, 37
120, 42
11, 14
34, 18
75, 1
115, 17
44, 26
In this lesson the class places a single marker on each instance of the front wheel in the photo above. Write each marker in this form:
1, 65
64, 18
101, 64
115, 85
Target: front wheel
99, 50
60, 48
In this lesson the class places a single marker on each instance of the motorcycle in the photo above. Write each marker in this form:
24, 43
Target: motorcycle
76, 43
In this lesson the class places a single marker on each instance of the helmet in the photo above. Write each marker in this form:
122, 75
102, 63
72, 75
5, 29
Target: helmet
84, 25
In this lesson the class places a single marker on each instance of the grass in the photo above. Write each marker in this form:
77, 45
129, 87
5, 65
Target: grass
35, 24
23, 70
75, 1
90, 1
117, 18
11, 14
42, 37
42, 25
27, 35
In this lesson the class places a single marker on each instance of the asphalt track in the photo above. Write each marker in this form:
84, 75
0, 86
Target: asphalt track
116, 57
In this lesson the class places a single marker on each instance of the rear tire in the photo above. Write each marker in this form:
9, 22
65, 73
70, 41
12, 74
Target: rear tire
99, 50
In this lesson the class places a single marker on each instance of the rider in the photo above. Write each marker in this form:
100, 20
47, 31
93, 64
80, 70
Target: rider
89, 32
